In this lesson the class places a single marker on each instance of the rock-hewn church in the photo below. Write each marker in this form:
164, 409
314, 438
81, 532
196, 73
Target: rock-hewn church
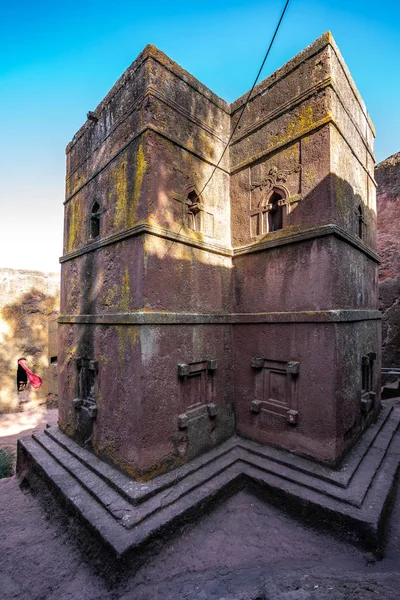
210, 310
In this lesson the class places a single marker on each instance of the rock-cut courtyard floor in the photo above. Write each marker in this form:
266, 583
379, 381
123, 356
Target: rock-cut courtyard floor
244, 549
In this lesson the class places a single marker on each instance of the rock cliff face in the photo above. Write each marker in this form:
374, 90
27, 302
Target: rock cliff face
387, 175
29, 302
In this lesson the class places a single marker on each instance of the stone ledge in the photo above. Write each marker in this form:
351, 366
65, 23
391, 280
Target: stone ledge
292, 103
270, 240
281, 238
284, 464
283, 108
125, 513
328, 120
136, 135
141, 317
150, 91
146, 228
239, 166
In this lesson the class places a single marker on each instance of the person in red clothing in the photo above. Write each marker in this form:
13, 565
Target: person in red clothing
24, 374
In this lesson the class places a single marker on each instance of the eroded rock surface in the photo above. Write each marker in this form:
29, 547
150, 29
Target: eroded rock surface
29, 303
387, 175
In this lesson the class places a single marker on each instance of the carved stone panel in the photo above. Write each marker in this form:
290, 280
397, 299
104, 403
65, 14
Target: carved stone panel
85, 401
276, 388
197, 390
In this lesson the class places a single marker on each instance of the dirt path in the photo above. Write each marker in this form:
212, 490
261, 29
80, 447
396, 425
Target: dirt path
16, 425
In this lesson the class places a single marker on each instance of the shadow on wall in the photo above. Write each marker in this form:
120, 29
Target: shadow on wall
387, 175
179, 277
169, 276
24, 332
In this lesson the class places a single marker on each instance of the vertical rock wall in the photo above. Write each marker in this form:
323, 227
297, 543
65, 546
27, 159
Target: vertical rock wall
28, 301
387, 175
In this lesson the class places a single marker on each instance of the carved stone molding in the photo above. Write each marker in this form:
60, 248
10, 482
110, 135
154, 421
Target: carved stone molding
275, 177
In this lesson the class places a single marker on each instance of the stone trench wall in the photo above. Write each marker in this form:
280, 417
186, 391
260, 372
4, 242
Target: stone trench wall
29, 304
387, 175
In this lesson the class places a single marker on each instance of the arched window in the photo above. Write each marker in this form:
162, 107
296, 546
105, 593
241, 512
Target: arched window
95, 221
275, 213
193, 210
270, 213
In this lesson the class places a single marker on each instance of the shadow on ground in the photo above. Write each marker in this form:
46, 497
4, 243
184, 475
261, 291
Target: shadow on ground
243, 550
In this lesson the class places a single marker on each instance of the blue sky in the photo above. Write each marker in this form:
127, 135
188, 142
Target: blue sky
58, 60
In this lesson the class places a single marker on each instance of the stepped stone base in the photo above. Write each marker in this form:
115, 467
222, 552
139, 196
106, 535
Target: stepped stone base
124, 513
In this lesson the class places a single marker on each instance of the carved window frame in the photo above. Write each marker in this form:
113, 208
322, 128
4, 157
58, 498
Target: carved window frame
193, 213
205, 405
263, 369
265, 207
87, 370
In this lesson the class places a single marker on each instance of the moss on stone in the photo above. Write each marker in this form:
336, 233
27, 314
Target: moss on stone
6, 463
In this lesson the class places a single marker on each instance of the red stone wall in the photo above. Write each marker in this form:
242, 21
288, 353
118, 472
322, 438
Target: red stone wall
387, 175
166, 308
